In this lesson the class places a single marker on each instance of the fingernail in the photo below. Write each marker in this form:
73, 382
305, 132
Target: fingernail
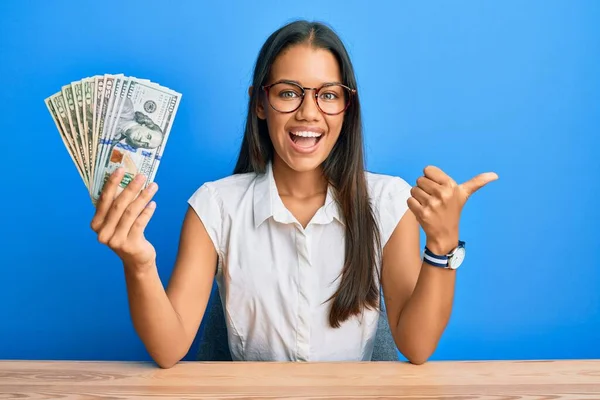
140, 178
153, 186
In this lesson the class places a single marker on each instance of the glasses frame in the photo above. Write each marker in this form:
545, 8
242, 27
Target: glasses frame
304, 89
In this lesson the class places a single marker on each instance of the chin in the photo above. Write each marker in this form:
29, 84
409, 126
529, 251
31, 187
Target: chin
303, 158
304, 164
298, 162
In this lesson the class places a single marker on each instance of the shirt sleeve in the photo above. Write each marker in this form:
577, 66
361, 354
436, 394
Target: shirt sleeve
393, 206
205, 202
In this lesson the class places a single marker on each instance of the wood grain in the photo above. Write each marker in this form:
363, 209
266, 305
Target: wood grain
569, 379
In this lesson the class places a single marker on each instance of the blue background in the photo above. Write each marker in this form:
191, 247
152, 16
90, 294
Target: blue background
470, 86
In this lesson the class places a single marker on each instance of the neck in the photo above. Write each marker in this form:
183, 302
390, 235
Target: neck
298, 184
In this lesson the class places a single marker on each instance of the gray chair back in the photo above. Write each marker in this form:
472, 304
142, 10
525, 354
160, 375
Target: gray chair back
214, 346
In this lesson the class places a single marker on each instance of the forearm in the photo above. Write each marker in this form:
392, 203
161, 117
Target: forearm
426, 313
154, 318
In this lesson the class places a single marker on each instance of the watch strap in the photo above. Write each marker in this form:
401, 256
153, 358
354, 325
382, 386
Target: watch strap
435, 259
440, 260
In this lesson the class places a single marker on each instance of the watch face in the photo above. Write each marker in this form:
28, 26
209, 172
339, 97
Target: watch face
457, 258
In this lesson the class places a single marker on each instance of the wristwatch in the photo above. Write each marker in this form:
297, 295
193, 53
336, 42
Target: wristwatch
452, 260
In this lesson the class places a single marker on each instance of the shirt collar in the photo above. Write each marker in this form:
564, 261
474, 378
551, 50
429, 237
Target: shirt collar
268, 203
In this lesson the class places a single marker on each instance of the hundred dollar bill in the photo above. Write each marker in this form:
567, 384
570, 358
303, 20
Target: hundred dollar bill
89, 120
106, 103
55, 117
76, 134
77, 90
121, 87
113, 104
139, 135
59, 106
99, 97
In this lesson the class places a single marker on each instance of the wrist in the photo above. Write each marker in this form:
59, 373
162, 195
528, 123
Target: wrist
441, 246
447, 254
139, 271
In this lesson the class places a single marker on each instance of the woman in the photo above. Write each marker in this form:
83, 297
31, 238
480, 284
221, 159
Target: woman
300, 237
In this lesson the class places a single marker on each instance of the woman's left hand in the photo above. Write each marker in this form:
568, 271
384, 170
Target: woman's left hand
437, 202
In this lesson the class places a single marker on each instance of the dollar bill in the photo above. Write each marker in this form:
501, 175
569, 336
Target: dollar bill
74, 125
120, 90
112, 120
99, 98
77, 89
139, 135
107, 100
89, 120
58, 102
63, 136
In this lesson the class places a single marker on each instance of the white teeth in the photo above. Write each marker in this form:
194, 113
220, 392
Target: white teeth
306, 134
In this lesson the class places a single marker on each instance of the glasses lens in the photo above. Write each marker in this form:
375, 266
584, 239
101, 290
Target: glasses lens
285, 97
333, 99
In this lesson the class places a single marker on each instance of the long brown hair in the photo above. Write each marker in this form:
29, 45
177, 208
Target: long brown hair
344, 169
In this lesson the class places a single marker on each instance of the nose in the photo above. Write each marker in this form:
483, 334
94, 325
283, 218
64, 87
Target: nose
308, 109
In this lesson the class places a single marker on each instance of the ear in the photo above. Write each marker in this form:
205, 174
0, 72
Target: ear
260, 109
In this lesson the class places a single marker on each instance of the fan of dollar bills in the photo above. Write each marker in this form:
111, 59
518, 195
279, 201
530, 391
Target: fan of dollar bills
111, 121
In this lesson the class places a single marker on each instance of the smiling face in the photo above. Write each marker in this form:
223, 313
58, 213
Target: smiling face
302, 139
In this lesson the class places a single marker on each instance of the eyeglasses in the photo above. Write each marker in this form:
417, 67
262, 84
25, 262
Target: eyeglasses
287, 97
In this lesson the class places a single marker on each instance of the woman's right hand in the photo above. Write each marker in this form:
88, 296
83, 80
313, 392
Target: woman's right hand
120, 221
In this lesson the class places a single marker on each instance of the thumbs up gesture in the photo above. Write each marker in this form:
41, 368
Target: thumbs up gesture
437, 202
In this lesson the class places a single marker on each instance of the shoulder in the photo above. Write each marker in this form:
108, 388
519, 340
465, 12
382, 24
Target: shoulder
232, 183
389, 195
228, 189
216, 202
383, 186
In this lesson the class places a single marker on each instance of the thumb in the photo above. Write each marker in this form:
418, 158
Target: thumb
476, 183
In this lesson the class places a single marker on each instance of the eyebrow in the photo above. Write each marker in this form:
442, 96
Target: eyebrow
299, 84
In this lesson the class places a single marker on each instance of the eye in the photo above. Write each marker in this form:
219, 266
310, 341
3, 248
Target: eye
329, 96
288, 94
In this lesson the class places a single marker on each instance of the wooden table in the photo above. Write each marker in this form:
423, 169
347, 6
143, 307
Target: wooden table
194, 380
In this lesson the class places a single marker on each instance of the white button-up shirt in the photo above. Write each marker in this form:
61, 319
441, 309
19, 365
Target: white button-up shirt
275, 277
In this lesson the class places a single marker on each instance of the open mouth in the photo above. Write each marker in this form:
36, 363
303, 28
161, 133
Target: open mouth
306, 139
